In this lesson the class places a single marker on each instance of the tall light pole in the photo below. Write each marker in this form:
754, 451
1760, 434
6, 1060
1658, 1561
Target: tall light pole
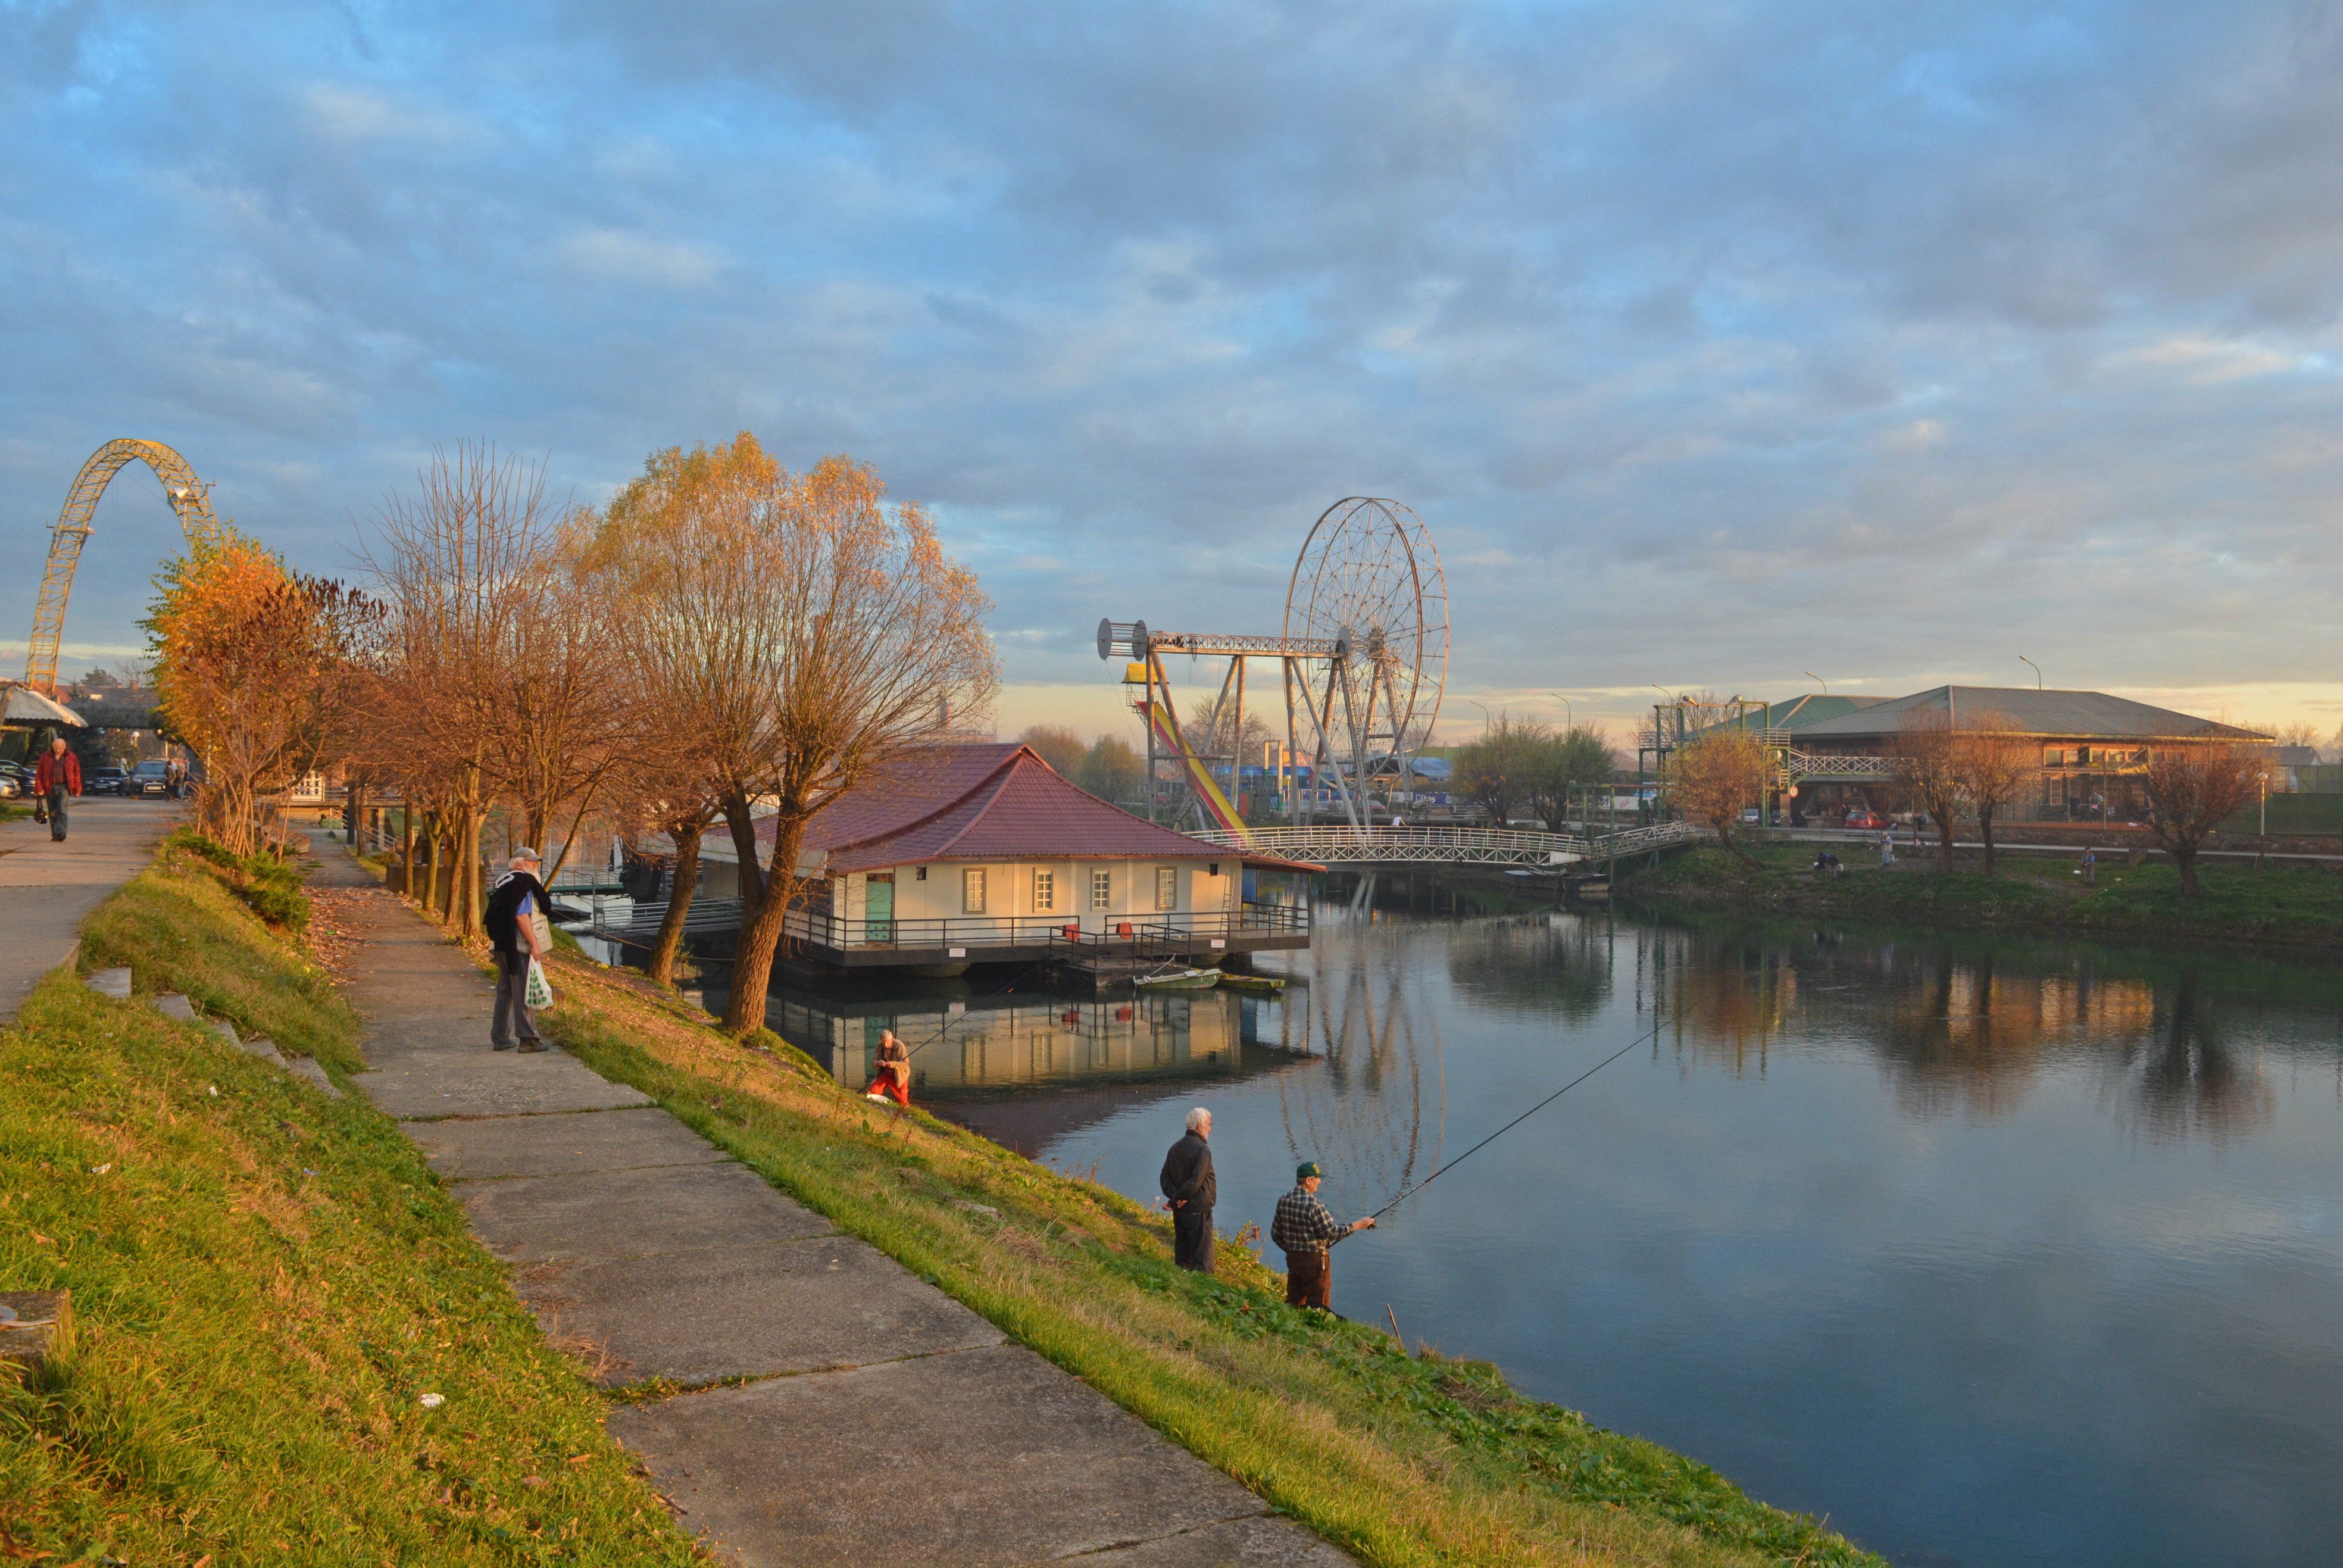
1570, 714
2038, 672
1818, 680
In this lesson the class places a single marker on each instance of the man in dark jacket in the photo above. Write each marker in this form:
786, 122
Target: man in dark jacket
515, 902
55, 780
1189, 1187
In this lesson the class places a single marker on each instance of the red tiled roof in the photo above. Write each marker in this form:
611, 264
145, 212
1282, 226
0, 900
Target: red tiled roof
990, 803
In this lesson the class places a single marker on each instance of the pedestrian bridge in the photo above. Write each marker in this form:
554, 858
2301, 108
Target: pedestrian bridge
1344, 845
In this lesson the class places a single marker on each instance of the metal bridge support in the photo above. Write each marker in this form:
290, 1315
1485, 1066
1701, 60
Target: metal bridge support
190, 498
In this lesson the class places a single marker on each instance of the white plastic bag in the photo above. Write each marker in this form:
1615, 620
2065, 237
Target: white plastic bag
538, 993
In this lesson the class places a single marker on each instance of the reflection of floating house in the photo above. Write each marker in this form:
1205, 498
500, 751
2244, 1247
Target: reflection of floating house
982, 854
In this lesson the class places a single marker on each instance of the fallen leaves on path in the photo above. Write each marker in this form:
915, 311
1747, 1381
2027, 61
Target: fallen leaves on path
339, 919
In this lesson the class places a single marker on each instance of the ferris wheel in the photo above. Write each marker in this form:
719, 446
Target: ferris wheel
1364, 659
1369, 579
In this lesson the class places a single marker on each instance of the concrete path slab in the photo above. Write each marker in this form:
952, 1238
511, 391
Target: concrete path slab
751, 1311
604, 1216
482, 1083
636, 1236
1007, 1459
46, 889
624, 1139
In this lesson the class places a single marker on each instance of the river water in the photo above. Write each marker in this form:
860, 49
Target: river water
1993, 1251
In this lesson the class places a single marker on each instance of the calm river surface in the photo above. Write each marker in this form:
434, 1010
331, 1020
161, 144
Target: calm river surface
1994, 1253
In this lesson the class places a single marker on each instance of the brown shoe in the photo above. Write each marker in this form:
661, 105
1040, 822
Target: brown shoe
528, 1046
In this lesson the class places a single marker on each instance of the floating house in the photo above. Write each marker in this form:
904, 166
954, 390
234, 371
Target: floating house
982, 854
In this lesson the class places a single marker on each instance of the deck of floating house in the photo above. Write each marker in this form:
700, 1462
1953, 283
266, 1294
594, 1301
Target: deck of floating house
972, 855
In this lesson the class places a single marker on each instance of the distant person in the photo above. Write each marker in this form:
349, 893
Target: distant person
55, 780
516, 904
1887, 849
1305, 1230
2091, 868
1190, 1190
893, 1079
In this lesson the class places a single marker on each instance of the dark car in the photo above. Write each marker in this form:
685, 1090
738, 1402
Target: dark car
152, 777
108, 781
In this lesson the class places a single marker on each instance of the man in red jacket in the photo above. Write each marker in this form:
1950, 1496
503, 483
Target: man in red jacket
57, 778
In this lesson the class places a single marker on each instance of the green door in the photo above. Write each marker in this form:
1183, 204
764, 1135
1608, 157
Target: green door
878, 909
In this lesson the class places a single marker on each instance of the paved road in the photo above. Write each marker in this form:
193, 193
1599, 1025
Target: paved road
48, 888
839, 1409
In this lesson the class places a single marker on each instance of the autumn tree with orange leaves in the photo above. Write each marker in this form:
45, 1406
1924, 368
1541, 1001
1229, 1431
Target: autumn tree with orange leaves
254, 667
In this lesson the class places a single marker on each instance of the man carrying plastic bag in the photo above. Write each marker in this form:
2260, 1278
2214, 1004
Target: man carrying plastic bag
522, 934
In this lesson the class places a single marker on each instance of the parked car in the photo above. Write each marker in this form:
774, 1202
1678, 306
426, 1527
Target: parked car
108, 780
152, 777
1866, 820
10, 788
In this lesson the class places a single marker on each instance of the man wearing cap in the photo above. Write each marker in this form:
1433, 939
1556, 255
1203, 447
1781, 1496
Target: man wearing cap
515, 904
1305, 1230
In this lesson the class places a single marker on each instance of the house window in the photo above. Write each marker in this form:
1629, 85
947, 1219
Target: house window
971, 891
1045, 891
2054, 756
1101, 888
1167, 887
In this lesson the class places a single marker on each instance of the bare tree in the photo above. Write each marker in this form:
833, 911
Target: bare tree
1498, 770
2193, 787
1564, 763
1113, 770
821, 635
1926, 757
1714, 777
1992, 763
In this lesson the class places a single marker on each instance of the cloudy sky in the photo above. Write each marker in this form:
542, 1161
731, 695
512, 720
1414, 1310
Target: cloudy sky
1715, 344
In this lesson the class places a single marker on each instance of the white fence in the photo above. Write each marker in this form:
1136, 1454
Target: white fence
1332, 846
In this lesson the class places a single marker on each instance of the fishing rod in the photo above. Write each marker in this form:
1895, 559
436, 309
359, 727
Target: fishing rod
1406, 1193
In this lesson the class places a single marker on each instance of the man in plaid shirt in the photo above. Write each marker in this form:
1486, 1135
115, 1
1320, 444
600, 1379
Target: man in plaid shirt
1305, 1230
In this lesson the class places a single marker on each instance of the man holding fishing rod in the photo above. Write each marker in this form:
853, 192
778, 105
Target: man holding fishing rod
1305, 1230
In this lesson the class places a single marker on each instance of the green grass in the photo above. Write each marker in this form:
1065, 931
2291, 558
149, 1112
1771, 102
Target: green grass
1404, 1459
184, 925
2278, 904
264, 1284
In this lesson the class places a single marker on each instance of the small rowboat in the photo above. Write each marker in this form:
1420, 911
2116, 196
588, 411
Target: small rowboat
1254, 985
1179, 979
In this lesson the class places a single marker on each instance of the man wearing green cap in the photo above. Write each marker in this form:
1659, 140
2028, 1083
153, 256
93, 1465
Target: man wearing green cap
1305, 1230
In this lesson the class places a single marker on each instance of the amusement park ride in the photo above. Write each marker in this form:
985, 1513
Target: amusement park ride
189, 497
1363, 660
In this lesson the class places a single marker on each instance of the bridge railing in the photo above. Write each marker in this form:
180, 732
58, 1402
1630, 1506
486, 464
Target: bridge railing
1507, 846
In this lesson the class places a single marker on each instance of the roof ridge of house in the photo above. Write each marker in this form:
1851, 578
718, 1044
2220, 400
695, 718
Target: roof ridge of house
998, 778
950, 800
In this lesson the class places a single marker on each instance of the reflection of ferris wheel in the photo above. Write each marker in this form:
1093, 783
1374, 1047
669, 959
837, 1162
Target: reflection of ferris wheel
1381, 1108
1364, 660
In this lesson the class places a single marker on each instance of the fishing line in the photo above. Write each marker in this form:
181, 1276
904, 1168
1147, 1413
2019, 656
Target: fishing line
1508, 1127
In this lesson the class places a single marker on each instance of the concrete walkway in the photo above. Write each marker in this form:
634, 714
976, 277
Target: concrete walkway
47, 890
865, 1417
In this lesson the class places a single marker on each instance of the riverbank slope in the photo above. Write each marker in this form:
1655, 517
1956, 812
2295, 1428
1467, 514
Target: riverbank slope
287, 1345
2289, 906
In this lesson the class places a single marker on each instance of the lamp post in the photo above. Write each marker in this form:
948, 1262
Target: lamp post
1818, 680
2038, 672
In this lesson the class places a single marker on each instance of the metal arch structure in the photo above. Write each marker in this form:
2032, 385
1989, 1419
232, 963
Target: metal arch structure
1364, 649
190, 498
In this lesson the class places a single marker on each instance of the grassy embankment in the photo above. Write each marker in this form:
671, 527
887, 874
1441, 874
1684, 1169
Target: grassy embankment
1403, 1458
2276, 904
264, 1284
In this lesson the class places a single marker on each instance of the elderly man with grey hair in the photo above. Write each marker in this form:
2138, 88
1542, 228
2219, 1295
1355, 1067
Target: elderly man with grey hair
517, 923
1190, 1190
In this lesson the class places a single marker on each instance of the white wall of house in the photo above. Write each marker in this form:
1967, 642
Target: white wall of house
1061, 890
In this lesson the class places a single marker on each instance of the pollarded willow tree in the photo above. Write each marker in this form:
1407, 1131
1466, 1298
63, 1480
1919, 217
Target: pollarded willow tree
806, 635
254, 668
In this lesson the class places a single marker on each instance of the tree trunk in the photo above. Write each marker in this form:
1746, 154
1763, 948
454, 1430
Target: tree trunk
2185, 857
1943, 842
1984, 826
678, 904
761, 930
744, 844
430, 866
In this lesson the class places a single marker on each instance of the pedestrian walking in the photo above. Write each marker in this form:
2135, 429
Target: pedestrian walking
56, 779
893, 1081
1305, 1230
1190, 1189
519, 929
1887, 849
2090, 867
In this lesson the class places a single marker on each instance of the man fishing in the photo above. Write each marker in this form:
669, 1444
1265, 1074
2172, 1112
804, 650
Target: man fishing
1304, 1229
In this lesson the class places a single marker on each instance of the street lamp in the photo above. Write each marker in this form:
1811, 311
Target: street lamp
1818, 680
1570, 714
2038, 672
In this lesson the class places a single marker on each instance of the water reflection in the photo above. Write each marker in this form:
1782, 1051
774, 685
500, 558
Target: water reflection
1997, 1251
